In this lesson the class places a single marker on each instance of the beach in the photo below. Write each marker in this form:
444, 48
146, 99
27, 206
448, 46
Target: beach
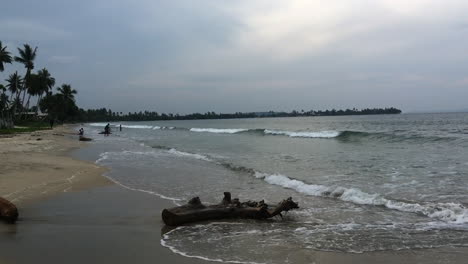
100, 202
36, 166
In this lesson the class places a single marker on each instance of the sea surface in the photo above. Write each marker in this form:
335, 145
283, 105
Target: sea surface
363, 183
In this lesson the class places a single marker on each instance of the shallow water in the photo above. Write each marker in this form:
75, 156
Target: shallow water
364, 183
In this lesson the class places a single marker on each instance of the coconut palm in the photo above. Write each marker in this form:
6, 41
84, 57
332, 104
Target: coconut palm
14, 84
67, 92
41, 83
27, 56
47, 81
5, 57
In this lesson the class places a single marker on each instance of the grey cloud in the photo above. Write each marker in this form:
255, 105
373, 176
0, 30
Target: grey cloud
185, 56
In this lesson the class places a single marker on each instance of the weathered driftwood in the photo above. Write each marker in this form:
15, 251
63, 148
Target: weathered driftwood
8, 211
195, 211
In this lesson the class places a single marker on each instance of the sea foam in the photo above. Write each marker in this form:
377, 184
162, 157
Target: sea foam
187, 154
304, 134
124, 126
219, 130
454, 213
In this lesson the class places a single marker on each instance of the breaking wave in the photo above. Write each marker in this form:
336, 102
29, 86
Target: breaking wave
304, 134
189, 155
448, 212
219, 130
132, 126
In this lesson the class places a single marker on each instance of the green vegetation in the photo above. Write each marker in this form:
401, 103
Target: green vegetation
17, 94
103, 114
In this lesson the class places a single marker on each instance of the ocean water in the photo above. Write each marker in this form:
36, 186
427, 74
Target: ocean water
363, 183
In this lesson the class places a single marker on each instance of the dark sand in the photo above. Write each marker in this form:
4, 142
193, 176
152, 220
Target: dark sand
99, 225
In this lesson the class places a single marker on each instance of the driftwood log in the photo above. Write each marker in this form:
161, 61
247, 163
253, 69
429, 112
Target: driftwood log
8, 211
195, 211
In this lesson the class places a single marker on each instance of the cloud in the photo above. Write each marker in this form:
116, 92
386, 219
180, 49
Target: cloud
221, 54
63, 59
26, 30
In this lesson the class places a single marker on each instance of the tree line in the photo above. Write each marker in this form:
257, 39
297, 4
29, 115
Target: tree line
20, 90
107, 115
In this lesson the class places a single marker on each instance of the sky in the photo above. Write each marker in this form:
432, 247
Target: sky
184, 56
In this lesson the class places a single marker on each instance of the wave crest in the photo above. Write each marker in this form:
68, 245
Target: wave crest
304, 134
448, 212
219, 130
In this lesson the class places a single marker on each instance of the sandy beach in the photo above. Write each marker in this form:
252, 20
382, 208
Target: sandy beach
36, 165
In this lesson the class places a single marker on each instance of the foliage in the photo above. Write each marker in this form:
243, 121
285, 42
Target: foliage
27, 56
59, 107
103, 114
5, 57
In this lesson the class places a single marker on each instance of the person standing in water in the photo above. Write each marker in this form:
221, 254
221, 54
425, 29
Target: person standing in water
107, 130
120, 127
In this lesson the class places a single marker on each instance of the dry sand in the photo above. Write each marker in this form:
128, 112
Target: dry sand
35, 166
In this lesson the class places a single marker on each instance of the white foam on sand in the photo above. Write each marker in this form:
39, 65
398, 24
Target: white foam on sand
164, 243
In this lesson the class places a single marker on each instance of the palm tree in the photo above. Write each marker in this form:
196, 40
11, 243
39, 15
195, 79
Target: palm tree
67, 92
41, 83
14, 84
3, 102
27, 56
47, 81
5, 57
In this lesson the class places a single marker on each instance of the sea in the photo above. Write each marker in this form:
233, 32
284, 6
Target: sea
363, 183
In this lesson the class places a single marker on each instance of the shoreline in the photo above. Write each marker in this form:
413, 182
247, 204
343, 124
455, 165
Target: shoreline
38, 165
64, 199
85, 218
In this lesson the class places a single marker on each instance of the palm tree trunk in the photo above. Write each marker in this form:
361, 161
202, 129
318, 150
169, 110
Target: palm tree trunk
39, 98
25, 86
27, 103
24, 95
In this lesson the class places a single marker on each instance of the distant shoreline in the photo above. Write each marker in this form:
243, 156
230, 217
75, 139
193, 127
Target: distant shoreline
107, 115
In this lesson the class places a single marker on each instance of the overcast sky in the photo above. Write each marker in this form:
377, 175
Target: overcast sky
248, 55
